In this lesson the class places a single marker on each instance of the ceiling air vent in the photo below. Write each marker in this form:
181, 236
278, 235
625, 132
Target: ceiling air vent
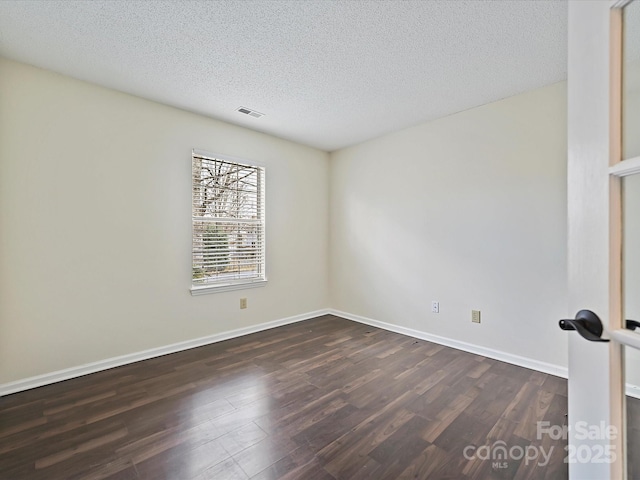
248, 111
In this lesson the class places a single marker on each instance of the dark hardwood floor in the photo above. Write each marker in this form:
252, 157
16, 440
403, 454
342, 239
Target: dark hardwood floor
321, 399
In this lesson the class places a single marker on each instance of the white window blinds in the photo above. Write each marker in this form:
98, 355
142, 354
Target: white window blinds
228, 222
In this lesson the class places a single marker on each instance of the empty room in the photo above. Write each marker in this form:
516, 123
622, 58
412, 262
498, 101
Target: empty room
319, 239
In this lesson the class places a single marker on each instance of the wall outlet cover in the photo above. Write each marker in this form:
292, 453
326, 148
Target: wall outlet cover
435, 306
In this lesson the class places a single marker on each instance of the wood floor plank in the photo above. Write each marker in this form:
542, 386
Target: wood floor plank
322, 399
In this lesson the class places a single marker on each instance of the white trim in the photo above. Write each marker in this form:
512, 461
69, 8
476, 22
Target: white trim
226, 158
525, 362
206, 289
73, 372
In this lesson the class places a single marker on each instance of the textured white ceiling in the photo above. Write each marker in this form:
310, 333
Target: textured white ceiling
326, 73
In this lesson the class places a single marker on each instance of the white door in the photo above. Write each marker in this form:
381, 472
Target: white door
596, 416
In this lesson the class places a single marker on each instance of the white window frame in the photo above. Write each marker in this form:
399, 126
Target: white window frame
234, 284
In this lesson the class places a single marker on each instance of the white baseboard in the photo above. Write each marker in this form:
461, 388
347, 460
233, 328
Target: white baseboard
530, 363
60, 375
73, 372
551, 369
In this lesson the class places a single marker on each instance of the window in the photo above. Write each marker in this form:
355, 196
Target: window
228, 224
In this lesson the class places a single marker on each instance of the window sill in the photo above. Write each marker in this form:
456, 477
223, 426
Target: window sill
207, 289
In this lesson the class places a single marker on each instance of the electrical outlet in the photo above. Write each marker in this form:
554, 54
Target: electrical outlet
243, 303
435, 307
475, 316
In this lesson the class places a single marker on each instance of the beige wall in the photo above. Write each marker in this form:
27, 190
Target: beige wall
469, 210
95, 232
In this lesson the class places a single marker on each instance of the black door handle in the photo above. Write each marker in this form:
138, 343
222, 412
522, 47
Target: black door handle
587, 324
632, 324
